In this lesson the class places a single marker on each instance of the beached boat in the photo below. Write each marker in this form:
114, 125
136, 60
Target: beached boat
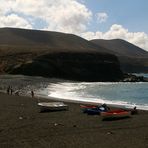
113, 114
94, 110
87, 106
52, 106
84, 108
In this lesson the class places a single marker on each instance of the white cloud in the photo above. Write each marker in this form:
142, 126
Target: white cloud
102, 17
4, 7
92, 35
60, 15
119, 32
14, 20
68, 16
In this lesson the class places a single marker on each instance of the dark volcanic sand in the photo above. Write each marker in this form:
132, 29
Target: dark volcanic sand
23, 126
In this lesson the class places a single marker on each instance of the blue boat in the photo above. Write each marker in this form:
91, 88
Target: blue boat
85, 107
95, 111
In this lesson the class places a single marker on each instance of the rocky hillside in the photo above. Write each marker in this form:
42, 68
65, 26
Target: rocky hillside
54, 54
131, 57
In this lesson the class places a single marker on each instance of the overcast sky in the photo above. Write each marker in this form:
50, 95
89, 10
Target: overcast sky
91, 19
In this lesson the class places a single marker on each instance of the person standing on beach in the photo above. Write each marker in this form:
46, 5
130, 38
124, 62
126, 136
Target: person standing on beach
32, 94
11, 90
8, 90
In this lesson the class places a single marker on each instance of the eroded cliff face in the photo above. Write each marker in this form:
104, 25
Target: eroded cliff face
132, 59
55, 54
73, 66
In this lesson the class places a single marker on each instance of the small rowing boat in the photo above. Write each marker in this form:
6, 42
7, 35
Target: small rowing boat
115, 114
84, 108
52, 106
87, 106
93, 109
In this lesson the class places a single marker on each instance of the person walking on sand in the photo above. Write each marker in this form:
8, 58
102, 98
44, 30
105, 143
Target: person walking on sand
32, 94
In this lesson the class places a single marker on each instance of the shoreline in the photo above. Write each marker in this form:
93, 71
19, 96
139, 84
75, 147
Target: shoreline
127, 107
117, 102
50, 98
22, 125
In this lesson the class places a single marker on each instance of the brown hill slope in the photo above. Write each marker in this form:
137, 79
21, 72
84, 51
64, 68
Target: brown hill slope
131, 57
43, 40
54, 54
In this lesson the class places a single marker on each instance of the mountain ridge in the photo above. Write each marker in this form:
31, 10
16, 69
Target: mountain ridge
132, 58
54, 54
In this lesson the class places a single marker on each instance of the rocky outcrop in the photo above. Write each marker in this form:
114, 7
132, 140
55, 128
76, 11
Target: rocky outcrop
53, 54
132, 58
74, 66
134, 78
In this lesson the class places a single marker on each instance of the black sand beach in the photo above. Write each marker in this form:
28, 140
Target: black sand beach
23, 126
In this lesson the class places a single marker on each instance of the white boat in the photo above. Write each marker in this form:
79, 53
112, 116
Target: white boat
52, 106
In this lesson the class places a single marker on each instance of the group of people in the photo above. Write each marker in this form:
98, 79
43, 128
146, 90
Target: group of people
10, 91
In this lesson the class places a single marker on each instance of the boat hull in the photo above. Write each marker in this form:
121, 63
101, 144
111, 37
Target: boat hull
52, 106
84, 108
92, 109
115, 114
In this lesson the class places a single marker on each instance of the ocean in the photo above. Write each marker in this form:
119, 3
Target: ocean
126, 94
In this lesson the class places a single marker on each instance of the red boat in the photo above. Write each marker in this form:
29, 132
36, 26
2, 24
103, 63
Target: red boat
84, 108
115, 114
87, 106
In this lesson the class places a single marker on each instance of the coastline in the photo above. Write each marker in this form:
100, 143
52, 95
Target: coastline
20, 83
22, 125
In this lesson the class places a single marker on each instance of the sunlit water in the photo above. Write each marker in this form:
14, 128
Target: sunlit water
119, 93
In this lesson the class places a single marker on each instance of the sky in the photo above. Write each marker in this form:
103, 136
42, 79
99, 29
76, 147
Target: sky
90, 19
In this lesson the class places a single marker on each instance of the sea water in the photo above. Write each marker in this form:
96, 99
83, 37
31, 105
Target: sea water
128, 94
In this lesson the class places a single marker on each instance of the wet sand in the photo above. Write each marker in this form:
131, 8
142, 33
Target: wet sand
23, 126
